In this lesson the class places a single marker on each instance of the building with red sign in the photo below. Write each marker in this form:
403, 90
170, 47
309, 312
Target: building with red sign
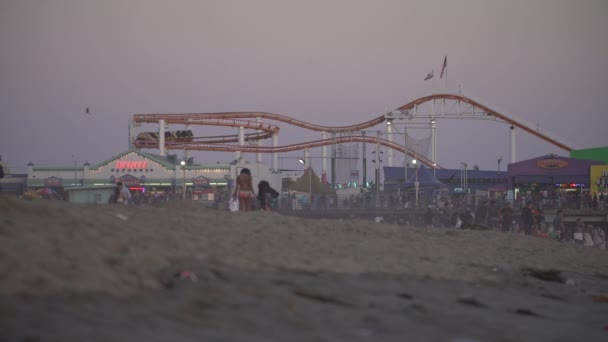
145, 172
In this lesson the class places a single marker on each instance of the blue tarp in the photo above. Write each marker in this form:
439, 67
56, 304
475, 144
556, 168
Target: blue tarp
425, 179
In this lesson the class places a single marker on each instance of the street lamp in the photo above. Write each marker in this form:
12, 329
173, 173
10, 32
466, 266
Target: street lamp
302, 161
464, 183
184, 180
416, 184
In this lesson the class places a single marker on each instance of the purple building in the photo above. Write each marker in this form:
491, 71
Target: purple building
550, 181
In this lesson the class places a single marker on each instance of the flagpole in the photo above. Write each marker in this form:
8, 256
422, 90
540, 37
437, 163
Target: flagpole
444, 69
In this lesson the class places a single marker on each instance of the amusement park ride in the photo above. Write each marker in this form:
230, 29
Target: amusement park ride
425, 110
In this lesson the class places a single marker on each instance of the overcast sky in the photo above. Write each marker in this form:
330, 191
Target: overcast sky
327, 62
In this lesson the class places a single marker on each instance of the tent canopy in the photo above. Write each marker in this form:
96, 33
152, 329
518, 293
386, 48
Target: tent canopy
309, 178
426, 179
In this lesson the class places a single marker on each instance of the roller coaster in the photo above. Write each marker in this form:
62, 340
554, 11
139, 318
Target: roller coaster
263, 130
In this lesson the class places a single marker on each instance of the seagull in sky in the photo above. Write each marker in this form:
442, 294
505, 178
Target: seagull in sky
87, 111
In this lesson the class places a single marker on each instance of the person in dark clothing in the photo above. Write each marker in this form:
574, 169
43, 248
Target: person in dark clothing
481, 214
466, 218
493, 214
428, 217
267, 196
506, 213
527, 218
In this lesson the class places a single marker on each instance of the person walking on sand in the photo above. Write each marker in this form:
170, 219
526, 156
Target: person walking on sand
244, 190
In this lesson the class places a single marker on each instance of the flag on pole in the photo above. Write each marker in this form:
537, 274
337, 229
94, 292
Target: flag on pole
445, 66
429, 76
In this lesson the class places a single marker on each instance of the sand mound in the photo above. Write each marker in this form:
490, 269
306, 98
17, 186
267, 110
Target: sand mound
49, 247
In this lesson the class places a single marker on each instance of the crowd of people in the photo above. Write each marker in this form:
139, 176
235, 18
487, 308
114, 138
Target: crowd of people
531, 221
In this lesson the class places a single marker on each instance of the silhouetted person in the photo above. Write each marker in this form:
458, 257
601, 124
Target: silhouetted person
267, 196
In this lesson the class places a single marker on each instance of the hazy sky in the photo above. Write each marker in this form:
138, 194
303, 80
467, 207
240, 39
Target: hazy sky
327, 62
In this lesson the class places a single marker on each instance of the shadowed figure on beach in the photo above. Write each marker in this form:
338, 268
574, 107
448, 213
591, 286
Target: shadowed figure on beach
267, 196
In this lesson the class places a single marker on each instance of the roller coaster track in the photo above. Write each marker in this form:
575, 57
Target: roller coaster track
178, 145
205, 119
238, 119
486, 109
224, 119
222, 139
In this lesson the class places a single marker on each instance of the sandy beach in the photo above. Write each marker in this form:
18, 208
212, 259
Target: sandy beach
183, 272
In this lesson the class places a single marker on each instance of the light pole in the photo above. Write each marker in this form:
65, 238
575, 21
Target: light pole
416, 184
302, 161
498, 160
184, 180
463, 176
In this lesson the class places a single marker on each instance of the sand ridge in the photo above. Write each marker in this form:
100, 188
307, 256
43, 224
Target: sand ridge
49, 247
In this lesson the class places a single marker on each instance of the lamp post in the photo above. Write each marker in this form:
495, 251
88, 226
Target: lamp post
302, 161
416, 184
498, 160
184, 180
464, 183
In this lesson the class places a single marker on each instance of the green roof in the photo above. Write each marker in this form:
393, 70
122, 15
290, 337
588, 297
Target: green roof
57, 168
597, 153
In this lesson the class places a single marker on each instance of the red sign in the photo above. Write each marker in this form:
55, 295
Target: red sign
53, 181
551, 164
128, 180
131, 165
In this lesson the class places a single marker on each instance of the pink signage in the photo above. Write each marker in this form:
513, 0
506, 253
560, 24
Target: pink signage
131, 165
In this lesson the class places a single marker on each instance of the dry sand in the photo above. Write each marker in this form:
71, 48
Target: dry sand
83, 272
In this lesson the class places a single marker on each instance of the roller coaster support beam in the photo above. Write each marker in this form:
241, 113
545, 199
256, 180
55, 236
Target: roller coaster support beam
434, 143
241, 142
333, 160
324, 170
188, 153
389, 135
378, 160
258, 156
405, 163
161, 137
513, 160
275, 156
364, 161
307, 158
